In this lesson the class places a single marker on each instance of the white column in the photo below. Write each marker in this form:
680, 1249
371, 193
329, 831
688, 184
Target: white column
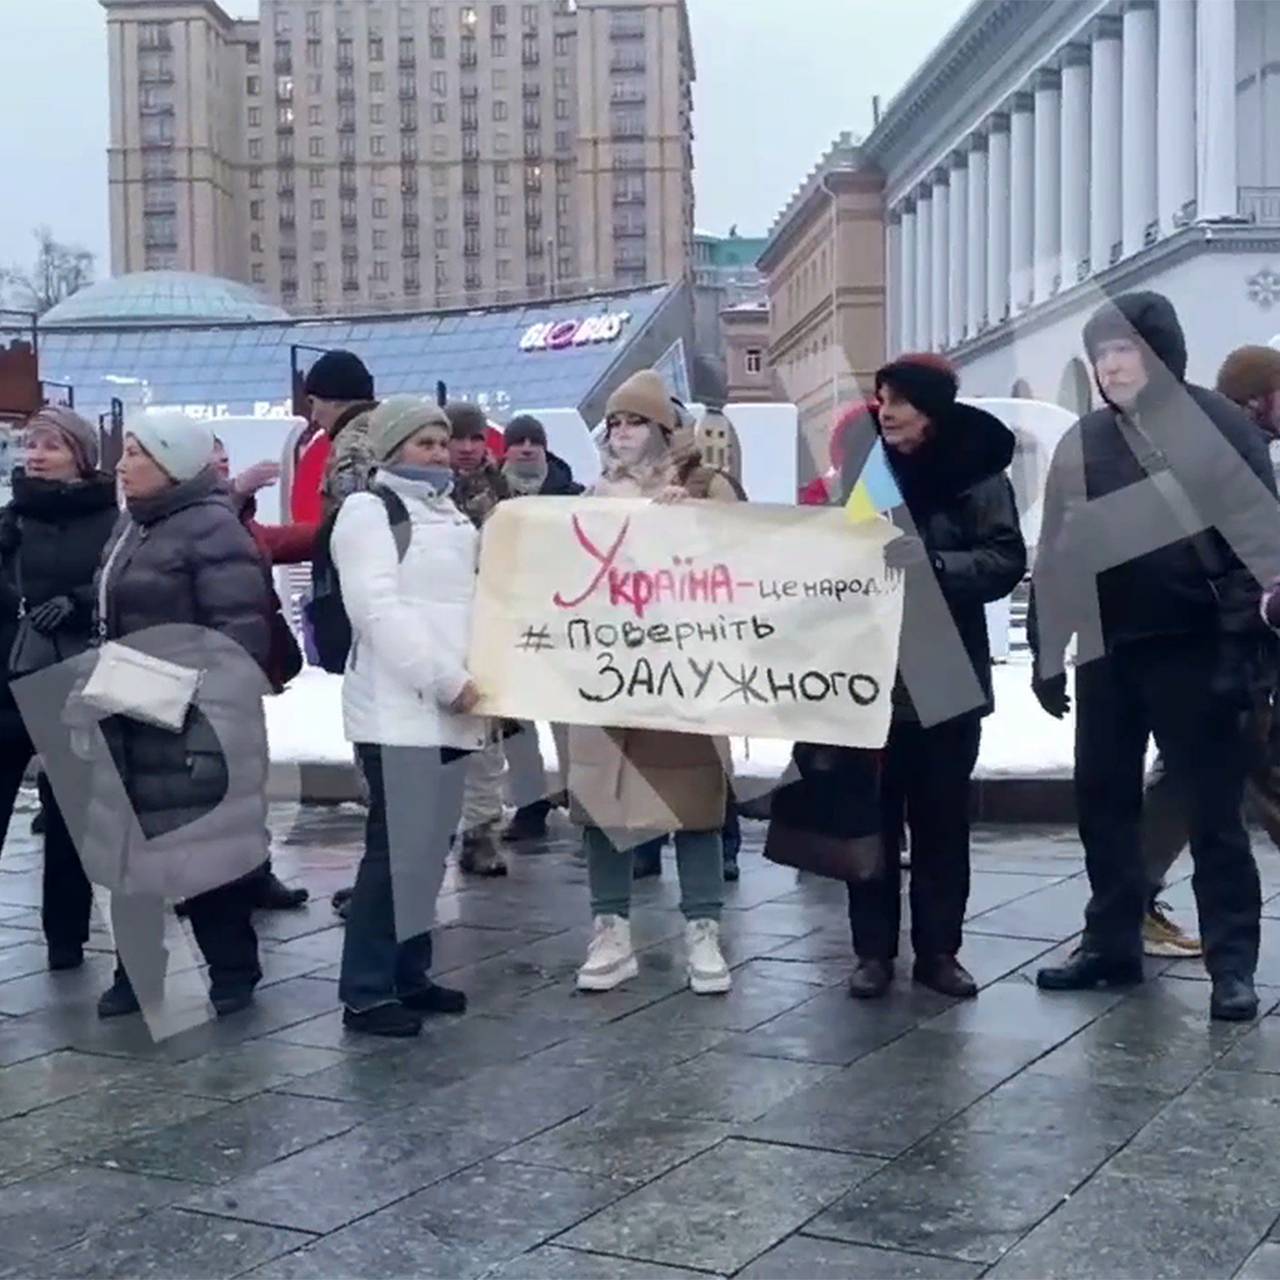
1138, 122
941, 260
893, 294
998, 204
976, 267
958, 240
1176, 110
1074, 173
907, 289
1047, 241
1104, 144
924, 271
1022, 184
1217, 195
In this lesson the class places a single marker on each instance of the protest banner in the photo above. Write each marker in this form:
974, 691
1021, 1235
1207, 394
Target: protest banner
747, 620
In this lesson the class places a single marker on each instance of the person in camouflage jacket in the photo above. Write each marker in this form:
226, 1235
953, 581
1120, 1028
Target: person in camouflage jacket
478, 483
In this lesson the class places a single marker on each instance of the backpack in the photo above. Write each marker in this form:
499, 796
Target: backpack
325, 613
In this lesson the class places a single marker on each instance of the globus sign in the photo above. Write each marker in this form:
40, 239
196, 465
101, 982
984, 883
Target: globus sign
558, 335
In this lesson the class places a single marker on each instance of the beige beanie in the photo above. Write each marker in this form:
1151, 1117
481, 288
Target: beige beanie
398, 418
646, 395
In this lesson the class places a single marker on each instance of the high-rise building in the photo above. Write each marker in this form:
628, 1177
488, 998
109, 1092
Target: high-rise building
362, 154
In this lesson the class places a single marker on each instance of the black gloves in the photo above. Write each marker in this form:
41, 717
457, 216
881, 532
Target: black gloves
905, 552
52, 615
1051, 694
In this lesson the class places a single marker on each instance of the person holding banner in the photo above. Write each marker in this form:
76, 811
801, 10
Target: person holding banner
407, 559
629, 785
961, 547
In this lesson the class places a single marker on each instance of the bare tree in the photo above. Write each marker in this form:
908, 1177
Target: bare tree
59, 271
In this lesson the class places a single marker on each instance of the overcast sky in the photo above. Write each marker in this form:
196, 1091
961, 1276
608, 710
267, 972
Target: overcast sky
777, 80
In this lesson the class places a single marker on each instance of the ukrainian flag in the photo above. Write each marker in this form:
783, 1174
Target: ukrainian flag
876, 490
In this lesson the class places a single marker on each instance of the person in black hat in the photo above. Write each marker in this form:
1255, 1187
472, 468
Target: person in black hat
340, 390
1161, 592
961, 548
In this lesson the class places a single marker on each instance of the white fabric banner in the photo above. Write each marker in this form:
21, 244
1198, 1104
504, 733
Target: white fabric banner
707, 617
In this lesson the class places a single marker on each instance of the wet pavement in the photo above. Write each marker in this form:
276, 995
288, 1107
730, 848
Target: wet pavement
781, 1131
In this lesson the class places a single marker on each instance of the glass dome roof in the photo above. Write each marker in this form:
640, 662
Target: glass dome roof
163, 297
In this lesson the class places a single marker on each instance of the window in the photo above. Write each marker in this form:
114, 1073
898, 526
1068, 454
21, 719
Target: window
313, 22
315, 53
255, 210
376, 112
255, 178
504, 269
379, 239
562, 108
471, 242
442, 238
501, 175
468, 17
315, 85
562, 44
562, 205
346, 54
380, 271
442, 274
377, 82
502, 206
315, 114
563, 142
253, 85
255, 242
562, 76
502, 237
435, 19
317, 211
378, 145
409, 146
375, 48
437, 47
253, 53
439, 113
501, 144
282, 22
259, 273
379, 207
347, 146
316, 178
439, 83
319, 241
529, 50
754, 359
408, 52
470, 115
500, 108
284, 115
440, 205
319, 273
498, 15
498, 46
255, 148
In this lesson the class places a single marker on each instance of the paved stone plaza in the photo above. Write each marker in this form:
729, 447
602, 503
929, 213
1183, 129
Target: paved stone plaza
781, 1131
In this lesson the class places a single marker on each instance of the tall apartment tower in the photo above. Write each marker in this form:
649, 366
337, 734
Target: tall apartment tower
361, 154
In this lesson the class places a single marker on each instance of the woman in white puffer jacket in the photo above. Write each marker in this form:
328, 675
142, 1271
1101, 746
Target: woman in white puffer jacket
406, 557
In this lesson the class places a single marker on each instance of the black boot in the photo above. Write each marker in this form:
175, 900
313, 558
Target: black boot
1089, 969
65, 955
434, 998
647, 862
528, 823
383, 1020
1233, 999
945, 975
119, 999
342, 902
731, 871
871, 979
270, 893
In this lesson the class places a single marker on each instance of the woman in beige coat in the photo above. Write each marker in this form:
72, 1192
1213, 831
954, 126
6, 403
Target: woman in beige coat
629, 785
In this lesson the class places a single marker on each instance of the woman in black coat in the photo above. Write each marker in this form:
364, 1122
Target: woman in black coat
961, 548
183, 581
51, 538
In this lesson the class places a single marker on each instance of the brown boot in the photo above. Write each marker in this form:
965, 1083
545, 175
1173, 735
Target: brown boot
871, 979
945, 975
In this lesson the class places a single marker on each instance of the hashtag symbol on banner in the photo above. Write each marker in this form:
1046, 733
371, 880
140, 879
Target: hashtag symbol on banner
536, 639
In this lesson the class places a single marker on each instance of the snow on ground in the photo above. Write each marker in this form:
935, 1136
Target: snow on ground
305, 726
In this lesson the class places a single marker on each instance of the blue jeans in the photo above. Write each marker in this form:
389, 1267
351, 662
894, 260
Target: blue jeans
415, 800
699, 860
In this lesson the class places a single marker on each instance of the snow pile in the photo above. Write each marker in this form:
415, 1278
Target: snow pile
305, 727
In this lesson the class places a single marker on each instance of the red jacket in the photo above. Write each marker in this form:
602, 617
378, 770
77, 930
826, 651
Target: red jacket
825, 488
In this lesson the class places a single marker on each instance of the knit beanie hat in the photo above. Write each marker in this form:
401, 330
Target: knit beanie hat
645, 395
925, 380
524, 427
466, 420
1249, 373
399, 418
341, 376
181, 446
80, 437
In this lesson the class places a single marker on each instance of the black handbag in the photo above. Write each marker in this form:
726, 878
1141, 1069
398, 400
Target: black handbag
33, 650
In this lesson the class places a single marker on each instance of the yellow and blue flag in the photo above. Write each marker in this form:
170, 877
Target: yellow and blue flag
876, 490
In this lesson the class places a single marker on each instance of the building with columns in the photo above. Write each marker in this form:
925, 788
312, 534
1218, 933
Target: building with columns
1047, 155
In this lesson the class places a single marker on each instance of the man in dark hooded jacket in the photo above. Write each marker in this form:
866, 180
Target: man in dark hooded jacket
1160, 521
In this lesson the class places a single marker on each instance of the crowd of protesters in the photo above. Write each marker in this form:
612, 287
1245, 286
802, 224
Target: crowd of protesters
146, 603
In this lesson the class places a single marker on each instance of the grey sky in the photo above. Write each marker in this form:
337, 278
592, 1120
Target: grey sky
777, 80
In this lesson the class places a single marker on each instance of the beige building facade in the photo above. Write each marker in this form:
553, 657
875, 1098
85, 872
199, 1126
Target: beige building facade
825, 268
370, 154
748, 371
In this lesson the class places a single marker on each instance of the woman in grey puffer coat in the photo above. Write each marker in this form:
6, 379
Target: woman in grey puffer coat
183, 581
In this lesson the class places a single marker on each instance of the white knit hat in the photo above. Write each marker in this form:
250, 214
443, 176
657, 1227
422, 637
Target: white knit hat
181, 446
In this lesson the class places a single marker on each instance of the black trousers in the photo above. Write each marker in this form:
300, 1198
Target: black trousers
925, 785
1161, 688
67, 896
222, 922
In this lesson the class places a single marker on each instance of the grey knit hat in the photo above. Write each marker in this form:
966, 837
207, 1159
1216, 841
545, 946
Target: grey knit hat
81, 437
397, 419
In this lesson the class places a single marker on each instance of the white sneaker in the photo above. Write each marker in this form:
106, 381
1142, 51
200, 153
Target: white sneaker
708, 973
610, 959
